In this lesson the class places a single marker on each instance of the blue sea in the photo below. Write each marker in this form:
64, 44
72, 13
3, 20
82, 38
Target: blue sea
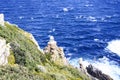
84, 28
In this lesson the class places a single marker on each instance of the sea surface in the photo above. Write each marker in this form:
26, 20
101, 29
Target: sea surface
84, 28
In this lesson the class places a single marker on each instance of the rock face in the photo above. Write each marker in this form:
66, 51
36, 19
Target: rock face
4, 52
56, 53
97, 73
82, 67
2, 19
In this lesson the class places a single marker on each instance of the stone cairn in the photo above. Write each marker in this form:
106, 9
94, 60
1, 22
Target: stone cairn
56, 53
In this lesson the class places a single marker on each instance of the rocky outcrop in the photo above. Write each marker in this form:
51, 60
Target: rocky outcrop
81, 66
92, 72
28, 63
4, 52
56, 53
2, 19
83, 69
97, 73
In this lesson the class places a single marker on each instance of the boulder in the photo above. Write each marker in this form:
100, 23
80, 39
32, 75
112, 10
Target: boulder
56, 53
41, 68
97, 73
2, 19
4, 51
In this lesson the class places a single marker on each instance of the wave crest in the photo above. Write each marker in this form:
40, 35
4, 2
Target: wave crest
114, 46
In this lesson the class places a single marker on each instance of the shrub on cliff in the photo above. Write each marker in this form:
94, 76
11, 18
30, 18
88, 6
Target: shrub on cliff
25, 51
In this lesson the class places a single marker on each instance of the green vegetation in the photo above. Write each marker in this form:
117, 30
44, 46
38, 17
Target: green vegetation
25, 56
11, 58
25, 51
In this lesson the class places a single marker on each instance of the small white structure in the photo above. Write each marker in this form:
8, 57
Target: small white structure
56, 52
2, 19
52, 41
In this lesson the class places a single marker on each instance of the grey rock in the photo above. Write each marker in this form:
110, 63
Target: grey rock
97, 73
41, 68
82, 68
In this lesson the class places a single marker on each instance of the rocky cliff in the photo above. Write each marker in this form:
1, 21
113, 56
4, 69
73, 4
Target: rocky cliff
21, 58
24, 60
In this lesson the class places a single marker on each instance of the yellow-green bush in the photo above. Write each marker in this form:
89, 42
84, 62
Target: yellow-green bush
11, 59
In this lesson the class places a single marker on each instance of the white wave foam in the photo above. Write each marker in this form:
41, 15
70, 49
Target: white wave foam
88, 5
32, 18
104, 64
53, 30
114, 46
69, 54
21, 17
57, 16
91, 18
65, 9
108, 16
79, 17
96, 40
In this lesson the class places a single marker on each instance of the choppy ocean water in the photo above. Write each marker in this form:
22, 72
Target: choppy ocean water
85, 28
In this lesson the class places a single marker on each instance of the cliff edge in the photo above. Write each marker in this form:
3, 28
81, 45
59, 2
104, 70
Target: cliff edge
21, 58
